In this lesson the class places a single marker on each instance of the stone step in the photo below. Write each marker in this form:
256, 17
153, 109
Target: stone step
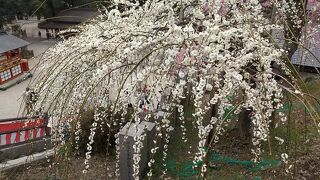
25, 160
25, 149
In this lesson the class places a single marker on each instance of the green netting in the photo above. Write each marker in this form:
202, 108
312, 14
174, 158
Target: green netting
228, 112
186, 169
230, 97
286, 107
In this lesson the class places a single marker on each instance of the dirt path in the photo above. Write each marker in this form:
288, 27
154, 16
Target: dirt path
100, 168
308, 165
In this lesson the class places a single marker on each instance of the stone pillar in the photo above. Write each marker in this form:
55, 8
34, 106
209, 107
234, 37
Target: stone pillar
126, 143
151, 134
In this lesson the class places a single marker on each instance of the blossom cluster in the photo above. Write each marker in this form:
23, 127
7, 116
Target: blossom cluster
127, 58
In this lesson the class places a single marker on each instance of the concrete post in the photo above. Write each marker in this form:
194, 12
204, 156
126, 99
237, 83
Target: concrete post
126, 142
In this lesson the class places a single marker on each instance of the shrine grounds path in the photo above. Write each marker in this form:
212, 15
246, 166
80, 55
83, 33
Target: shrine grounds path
10, 100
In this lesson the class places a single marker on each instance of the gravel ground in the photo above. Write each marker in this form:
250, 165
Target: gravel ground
100, 169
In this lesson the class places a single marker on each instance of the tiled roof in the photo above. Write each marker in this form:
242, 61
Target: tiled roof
76, 15
309, 54
68, 18
9, 42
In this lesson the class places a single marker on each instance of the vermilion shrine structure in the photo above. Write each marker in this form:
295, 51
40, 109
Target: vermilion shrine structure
11, 63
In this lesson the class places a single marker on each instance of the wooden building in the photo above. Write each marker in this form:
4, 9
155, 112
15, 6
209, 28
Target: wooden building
66, 19
11, 62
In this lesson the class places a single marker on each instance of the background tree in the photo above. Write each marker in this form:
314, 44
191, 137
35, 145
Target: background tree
10, 9
7, 12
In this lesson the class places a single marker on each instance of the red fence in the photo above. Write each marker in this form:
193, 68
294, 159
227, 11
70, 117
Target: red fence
19, 130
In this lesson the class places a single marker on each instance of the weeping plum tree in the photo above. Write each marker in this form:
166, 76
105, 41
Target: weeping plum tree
216, 48
292, 16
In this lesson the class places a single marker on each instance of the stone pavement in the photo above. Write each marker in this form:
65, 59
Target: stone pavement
31, 27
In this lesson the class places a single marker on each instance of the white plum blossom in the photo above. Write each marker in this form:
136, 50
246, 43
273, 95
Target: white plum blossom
210, 51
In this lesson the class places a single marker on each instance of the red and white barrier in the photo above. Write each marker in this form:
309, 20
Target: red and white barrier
22, 136
21, 130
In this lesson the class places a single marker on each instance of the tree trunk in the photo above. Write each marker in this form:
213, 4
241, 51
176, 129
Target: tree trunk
244, 124
213, 113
